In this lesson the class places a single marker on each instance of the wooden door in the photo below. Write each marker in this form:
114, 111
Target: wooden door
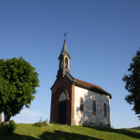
62, 113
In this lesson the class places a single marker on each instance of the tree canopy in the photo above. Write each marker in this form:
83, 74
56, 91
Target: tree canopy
18, 81
133, 83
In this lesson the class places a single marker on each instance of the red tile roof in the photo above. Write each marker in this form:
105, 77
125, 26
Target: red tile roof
91, 87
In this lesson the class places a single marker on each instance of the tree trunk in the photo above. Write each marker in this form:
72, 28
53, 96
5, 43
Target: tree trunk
6, 119
0, 117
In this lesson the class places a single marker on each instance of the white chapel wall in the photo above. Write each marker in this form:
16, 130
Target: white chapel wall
87, 116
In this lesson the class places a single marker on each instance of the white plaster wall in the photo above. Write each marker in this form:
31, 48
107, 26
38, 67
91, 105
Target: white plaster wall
87, 117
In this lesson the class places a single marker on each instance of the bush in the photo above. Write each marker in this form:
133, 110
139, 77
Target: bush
8, 128
41, 123
11, 126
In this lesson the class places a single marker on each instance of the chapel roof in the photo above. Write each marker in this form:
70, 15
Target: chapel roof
91, 87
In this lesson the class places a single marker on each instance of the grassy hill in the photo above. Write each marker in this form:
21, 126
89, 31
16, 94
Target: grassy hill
64, 132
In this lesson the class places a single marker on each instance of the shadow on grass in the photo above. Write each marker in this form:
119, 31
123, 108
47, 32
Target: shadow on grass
16, 137
57, 135
126, 132
60, 135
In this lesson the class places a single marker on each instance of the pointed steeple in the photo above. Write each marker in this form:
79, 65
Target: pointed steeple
64, 60
64, 49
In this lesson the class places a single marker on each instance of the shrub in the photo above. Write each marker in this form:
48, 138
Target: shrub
11, 126
8, 128
46, 121
41, 123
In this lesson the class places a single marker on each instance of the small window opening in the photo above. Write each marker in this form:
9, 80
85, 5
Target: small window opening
94, 107
61, 65
66, 63
104, 110
81, 104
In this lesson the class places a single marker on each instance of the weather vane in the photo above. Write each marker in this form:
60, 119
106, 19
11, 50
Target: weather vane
65, 35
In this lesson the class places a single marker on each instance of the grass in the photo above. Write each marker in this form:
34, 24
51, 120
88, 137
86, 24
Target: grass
64, 132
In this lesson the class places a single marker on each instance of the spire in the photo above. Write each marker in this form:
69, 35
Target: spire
64, 60
64, 49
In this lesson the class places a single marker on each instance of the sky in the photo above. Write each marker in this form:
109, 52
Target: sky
103, 36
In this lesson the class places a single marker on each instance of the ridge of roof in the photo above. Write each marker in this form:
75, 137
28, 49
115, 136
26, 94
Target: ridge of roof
92, 87
70, 76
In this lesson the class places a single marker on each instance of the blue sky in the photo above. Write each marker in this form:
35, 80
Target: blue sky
103, 36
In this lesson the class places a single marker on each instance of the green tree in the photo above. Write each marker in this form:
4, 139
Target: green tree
18, 81
133, 84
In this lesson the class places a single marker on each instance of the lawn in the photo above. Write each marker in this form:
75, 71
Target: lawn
64, 132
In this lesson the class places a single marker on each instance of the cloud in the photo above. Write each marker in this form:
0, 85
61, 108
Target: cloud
27, 116
32, 113
22, 121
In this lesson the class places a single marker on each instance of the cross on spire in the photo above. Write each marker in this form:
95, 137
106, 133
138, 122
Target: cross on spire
65, 35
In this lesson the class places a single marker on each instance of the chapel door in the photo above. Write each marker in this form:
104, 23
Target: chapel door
62, 113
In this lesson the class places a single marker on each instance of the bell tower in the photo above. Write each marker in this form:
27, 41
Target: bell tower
64, 61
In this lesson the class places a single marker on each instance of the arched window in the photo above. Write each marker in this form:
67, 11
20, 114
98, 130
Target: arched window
94, 107
66, 63
61, 63
62, 96
104, 110
81, 104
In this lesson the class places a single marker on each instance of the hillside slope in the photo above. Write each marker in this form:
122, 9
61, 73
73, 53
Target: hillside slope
63, 132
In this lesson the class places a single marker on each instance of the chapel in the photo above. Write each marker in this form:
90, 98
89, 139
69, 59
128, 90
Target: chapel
76, 102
